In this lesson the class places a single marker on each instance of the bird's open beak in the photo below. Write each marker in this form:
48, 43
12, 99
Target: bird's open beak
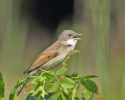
78, 38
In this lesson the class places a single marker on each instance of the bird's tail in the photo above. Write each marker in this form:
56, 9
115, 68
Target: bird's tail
23, 84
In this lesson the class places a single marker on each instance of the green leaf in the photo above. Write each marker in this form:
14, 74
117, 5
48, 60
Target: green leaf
87, 94
67, 83
77, 98
48, 96
38, 79
74, 92
67, 95
39, 89
61, 71
63, 96
66, 91
55, 95
14, 90
19, 83
52, 87
49, 73
35, 97
1, 86
49, 79
13, 96
89, 76
35, 81
90, 85
75, 74
42, 78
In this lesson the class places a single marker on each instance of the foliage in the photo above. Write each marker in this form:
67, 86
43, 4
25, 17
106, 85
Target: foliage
1, 86
48, 86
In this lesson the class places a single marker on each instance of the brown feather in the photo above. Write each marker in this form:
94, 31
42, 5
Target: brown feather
44, 57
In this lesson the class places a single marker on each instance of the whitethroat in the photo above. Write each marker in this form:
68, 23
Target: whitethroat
54, 54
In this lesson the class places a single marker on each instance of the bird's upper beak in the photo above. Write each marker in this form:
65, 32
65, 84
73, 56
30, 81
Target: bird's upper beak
75, 37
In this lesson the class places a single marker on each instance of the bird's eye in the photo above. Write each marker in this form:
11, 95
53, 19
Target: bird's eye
74, 36
70, 35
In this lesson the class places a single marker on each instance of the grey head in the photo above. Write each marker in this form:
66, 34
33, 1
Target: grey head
68, 34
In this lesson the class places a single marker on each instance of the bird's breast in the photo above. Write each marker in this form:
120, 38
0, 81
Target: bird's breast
55, 61
62, 54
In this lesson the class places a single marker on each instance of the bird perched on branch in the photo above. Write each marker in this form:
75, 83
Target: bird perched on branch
54, 54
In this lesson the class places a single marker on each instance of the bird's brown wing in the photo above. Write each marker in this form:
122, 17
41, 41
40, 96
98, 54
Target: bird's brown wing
42, 59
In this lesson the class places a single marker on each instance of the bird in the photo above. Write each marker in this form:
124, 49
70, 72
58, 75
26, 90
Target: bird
55, 54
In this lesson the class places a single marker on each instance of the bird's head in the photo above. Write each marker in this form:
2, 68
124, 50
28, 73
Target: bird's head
69, 37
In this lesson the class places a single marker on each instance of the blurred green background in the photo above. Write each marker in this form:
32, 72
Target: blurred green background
27, 27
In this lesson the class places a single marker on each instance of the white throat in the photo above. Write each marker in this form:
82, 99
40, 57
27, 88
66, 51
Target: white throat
71, 42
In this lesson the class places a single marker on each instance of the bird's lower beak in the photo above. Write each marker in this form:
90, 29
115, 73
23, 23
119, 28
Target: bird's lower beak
78, 38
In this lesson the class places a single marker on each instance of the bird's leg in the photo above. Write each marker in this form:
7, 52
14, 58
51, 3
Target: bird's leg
42, 70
